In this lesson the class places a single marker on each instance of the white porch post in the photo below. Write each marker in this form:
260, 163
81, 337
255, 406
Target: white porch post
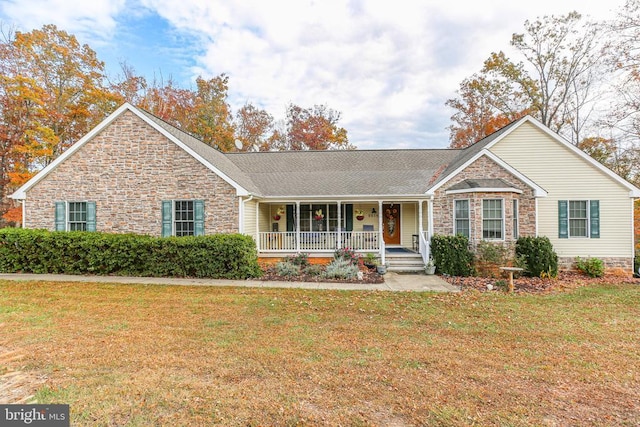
339, 241
380, 233
298, 226
420, 228
258, 238
430, 218
23, 202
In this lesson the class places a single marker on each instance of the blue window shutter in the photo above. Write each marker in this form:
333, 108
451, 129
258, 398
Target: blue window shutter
348, 217
594, 213
91, 216
61, 216
290, 218
563, 219
198, 216
167, 218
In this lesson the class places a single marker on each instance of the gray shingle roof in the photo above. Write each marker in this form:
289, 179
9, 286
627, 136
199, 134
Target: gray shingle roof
333, 173
343, 172
470, 151
467, 184
216, 158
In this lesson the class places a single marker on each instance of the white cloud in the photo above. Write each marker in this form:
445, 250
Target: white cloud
387, 66
95, 17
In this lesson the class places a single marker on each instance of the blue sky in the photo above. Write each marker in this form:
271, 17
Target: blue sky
388, 67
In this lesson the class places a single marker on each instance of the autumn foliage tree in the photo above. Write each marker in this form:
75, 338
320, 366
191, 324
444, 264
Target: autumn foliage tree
554, 80
53, 91
313, 128
255, 128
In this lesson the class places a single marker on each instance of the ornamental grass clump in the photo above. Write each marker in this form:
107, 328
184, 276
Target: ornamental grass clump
341, 269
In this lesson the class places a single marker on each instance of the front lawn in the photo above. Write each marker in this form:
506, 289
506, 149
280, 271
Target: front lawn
175, 355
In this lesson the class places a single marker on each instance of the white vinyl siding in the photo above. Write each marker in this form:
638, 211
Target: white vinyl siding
409, 223
549, 164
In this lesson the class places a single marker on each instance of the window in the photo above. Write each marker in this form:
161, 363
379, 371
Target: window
329, 221
461, 218
182, 218
515, 219
492, 219
578, 218
75, 216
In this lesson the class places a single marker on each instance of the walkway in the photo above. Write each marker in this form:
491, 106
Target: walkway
392, 282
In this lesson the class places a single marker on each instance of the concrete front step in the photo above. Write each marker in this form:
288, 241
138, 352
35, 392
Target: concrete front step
406, 262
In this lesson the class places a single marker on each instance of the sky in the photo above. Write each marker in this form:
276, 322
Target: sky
387, 66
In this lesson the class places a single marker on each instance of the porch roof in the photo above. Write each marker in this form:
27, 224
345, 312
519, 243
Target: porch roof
343, 172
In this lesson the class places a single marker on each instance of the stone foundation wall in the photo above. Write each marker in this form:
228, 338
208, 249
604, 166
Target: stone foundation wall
611, 264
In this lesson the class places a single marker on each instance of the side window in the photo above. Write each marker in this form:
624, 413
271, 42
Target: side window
578, 218
75, 216
492, 219
461, 218
182, 218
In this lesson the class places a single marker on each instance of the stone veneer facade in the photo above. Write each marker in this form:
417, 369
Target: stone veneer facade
485, 168
128, 169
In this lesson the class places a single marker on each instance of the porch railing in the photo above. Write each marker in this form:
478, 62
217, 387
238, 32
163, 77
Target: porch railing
318, 241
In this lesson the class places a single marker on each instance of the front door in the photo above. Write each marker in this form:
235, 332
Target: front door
391, 224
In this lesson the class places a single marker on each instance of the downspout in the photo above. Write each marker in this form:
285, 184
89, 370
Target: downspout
24, 212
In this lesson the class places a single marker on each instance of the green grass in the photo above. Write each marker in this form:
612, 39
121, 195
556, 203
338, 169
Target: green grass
161, 355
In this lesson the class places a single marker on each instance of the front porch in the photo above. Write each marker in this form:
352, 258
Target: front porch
319, 228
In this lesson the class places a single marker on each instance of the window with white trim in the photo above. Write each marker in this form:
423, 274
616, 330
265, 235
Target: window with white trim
492, 219
515, 219
75, 216
461, 218
182, 218
578, 219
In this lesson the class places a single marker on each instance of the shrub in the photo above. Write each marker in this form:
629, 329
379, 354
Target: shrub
592, 267
287, 269
490, 256
636, 264
225, 256
452, 255
300, 259
346, 254
538, 256
341, 269
313, 270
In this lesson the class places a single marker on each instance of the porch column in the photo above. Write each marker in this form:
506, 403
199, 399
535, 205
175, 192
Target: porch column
339, 241
298, 226
430, 218
381, 233
420, 228
258, 237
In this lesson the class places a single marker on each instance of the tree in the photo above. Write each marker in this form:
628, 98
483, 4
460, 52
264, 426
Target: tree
254, 128
52, 92
312, 129
72, 96
554, 82
212, 121
476, 116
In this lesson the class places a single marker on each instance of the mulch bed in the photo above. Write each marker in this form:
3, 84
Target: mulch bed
368, 276
565, 280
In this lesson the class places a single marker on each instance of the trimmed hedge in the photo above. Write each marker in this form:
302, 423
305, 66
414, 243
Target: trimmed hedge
452, 255
220, 256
